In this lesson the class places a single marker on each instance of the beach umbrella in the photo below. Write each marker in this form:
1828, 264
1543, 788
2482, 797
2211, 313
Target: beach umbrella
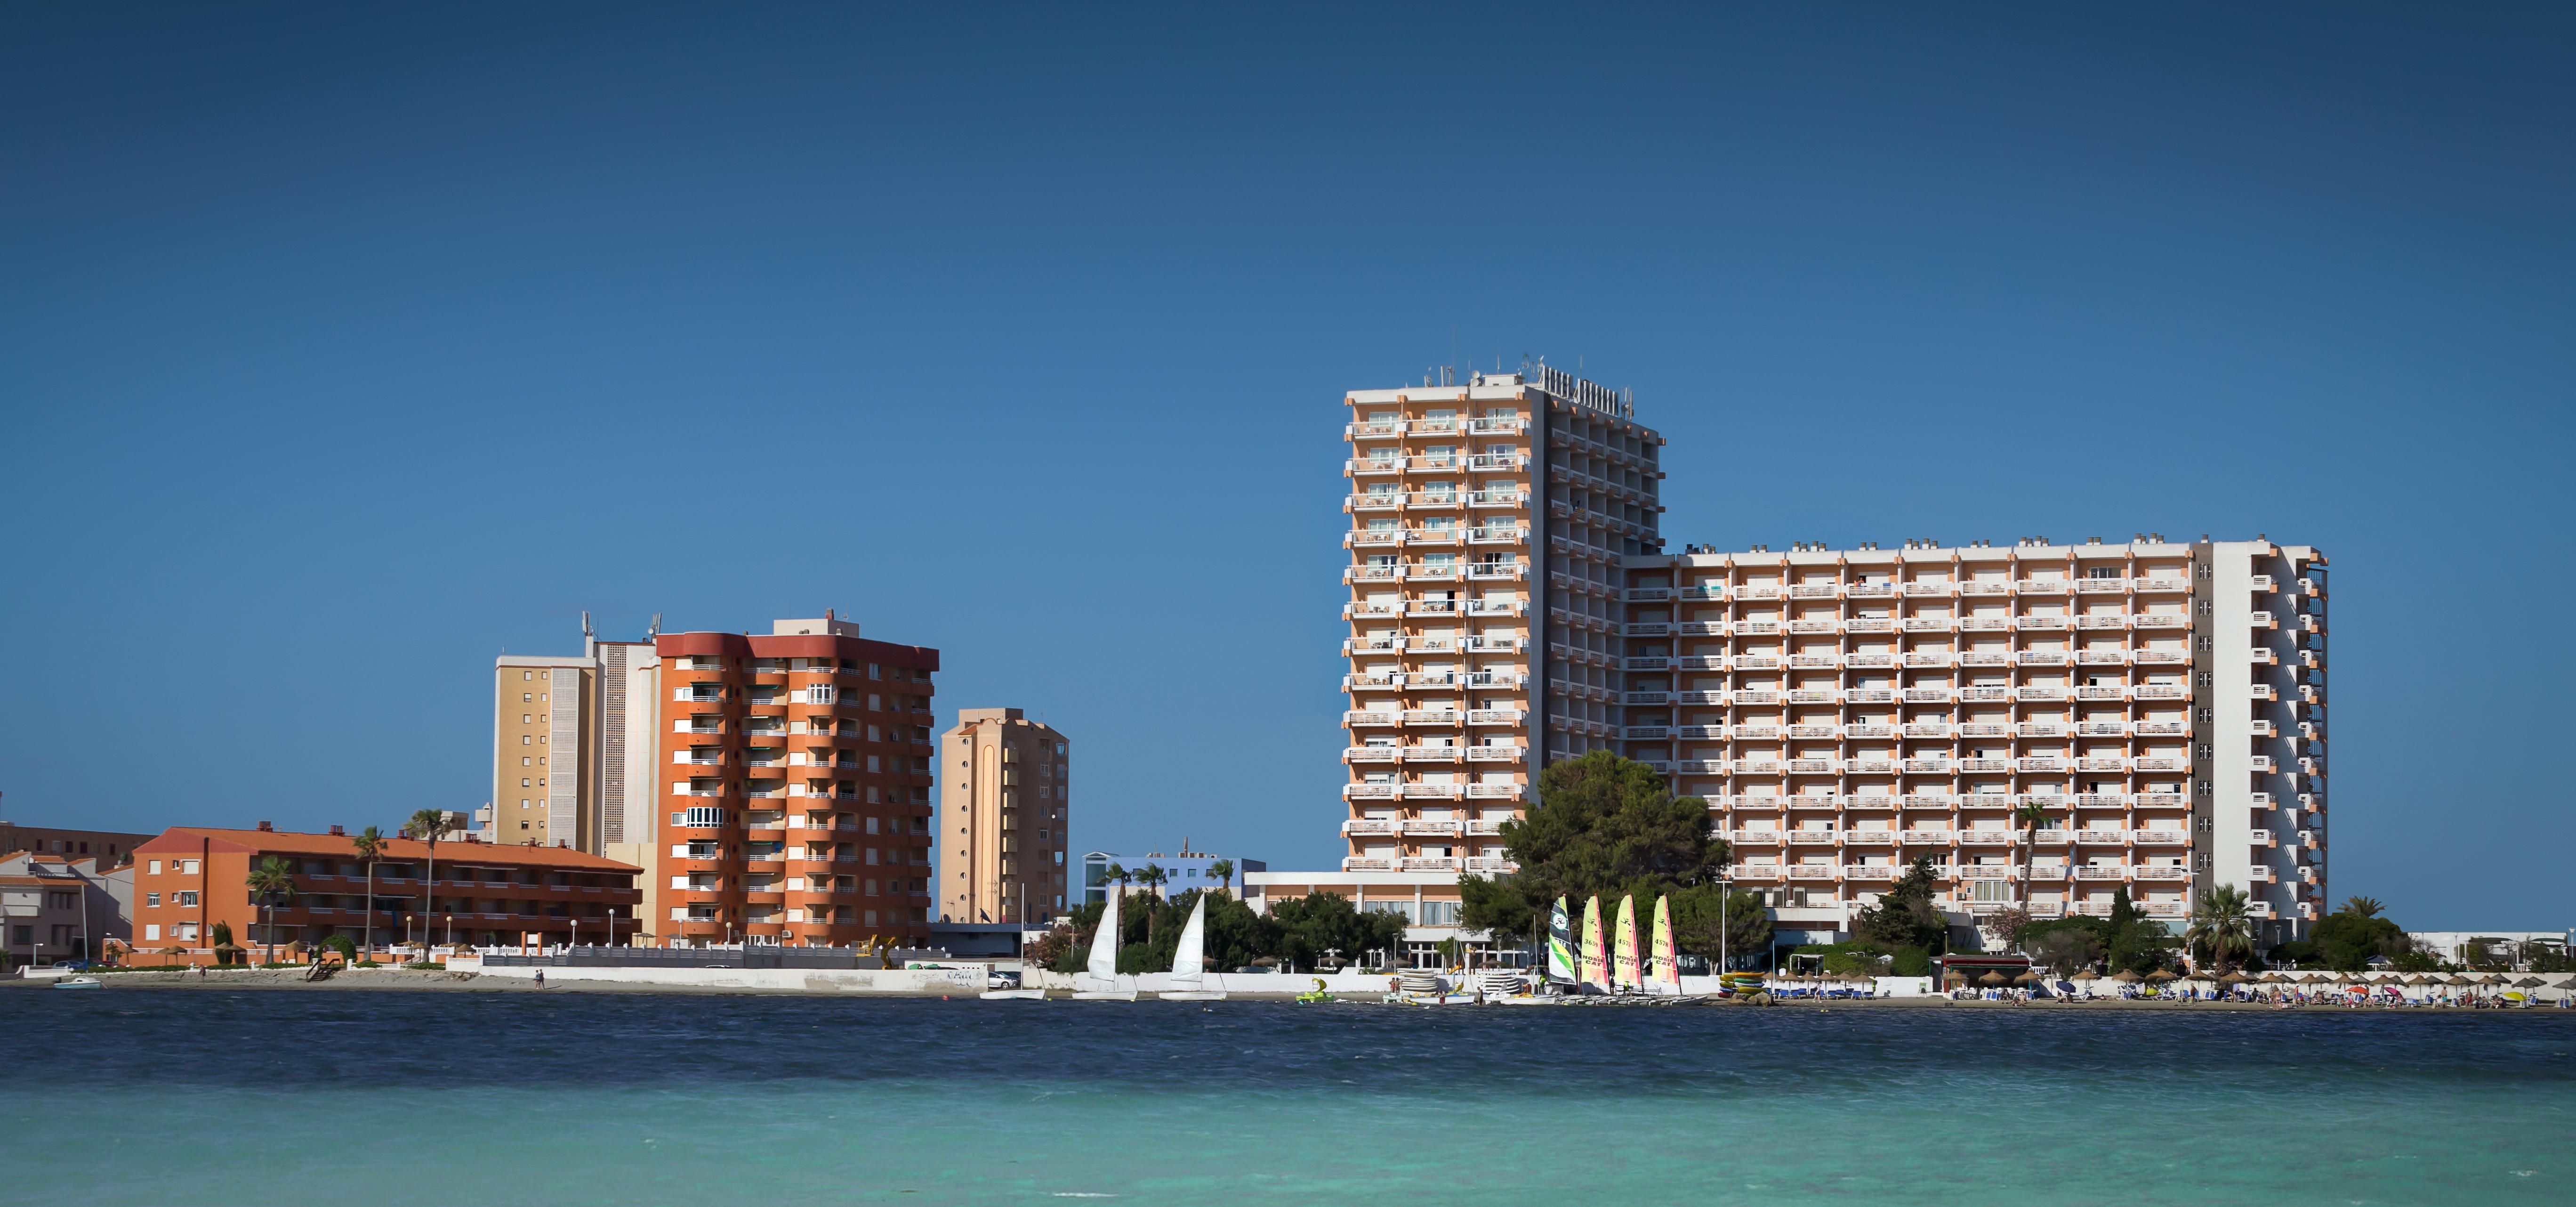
2027, 978
2126, 977
2457, 979
2088, 975
2529, 982
1991, 978
2233, 978
2160, 976
2493, 979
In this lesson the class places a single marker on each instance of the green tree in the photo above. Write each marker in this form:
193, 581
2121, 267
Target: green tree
1905, 915
2364, 907
1318, 923
271, 883
2345, 940
1601, 824
1223, 870
2132, 942
370, 845
428, 825
225, 948
1152, 877
1711, 920
2223, 926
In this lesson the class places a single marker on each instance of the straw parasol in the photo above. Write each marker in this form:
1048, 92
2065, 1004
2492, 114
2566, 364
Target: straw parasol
2027, 978
2160, 976
1991, 978
2126, 977
2233, 978
2529, 982
2457, 979
2494, 979
2086, 975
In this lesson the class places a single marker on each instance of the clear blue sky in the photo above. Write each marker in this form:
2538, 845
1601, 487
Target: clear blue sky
343, 349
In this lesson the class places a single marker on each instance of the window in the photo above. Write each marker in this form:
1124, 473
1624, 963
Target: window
187, 899
524, 675
185, 932
525, 739
156, 867
525, 698
523, 782
187, 867
151, 900
152, 930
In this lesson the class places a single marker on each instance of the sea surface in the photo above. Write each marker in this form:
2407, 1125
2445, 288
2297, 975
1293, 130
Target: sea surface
377, 1098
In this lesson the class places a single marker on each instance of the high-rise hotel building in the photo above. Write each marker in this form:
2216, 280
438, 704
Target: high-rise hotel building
1003, 808
1843, 711
572, 748
1487, 526
795, 787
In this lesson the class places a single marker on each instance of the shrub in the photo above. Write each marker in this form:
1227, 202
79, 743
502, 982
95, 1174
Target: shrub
1911, 961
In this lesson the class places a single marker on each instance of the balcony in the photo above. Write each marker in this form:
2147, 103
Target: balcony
1497, 716
1430, 717
1497, 498
1371, 574
1370, 791
1428, 863
1362, 716
1358, 467
1432, 754
1375, 501
1495, 607
1433, 536
1928, 838
1430, 829
1367, 863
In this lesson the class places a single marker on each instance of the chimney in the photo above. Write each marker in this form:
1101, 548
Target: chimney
266, 828
337, 832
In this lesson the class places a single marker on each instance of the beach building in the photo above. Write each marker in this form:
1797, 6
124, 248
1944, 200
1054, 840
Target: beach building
1003, 812
1487, 523
190, 878
1509, 603
110, 847
572, 747
2161, 705
1185, 871
2515, 947
59, 908
795, 771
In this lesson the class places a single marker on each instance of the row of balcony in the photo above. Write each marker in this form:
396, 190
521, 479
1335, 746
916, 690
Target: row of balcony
1424, 827
1378, 537
776, 790
2025, 586
1475, 716
1486, 865
1920, 624
1384, 428
2090, 836
1435, 645
2029, 693
1946, 800
1435, 500
1436, 754
1433, 791
1955, 872
2037, 764
1447, 572
1937, 730
1887, 661
1446, 463
1399, 680
1358, 609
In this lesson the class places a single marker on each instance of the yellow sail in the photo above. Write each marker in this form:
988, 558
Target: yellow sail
1668, 969
1596, 965
1626, 953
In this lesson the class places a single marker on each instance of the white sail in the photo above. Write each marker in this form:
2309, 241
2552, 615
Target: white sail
1104, 944
1189, 960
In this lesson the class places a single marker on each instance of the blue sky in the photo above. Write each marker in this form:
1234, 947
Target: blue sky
341, 351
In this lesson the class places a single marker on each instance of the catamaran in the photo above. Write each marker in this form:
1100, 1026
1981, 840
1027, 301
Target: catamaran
1189, 961
1596, 962
1103, 965
1668, 969
1625, 976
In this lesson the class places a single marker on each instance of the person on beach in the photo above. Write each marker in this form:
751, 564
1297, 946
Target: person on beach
541, 978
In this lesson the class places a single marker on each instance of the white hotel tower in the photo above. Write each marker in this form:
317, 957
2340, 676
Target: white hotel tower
1843, 712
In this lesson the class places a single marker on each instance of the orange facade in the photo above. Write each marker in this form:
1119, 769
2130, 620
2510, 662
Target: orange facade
795, 776
189, 878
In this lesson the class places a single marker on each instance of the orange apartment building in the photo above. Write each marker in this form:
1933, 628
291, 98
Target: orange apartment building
188, 878
796, 773
1003, 810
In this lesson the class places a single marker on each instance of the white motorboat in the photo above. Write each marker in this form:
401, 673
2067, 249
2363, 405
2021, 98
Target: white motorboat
77, 982
1189, 961
1103, 964
1013, 995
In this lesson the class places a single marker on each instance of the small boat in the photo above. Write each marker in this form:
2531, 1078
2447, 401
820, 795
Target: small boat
77, 982
1315, 995
1189, 961
1013, 995
1103, 964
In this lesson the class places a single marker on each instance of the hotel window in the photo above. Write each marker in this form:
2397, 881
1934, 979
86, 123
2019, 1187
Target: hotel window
186, 899
187, 867
151, 900
185, 932
156, 867
152, 930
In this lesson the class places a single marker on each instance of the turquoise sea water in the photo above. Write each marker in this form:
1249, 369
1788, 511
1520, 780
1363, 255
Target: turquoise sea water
144, 1096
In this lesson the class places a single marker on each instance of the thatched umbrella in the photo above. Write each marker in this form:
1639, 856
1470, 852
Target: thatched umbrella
2027, 978
2126, 977
2233, 978
2086, 975
2530, 982
2160, 976
2457, 979
1991, 978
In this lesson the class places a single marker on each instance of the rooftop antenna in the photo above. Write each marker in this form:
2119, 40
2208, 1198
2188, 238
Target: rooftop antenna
585, 624
656, 630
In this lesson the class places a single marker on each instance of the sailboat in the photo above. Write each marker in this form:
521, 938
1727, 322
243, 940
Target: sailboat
1624, 971
1189, 961
1668, 969
1103, 965
1560, 945
1596, 962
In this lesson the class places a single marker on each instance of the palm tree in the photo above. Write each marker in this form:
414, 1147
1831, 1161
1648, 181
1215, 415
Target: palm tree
427, 825
2032, 815
370, 843
2220, 923
2362, 907
1223, 870
271, 882
1153, 877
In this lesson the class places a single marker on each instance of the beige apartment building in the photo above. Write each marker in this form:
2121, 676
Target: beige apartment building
1509, 603
1002, 810
1844, 711
1487, 524
572, 748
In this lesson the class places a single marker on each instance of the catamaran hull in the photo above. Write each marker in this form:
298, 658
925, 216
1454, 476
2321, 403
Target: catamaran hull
1013, 995
1193, 995
1106, 995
